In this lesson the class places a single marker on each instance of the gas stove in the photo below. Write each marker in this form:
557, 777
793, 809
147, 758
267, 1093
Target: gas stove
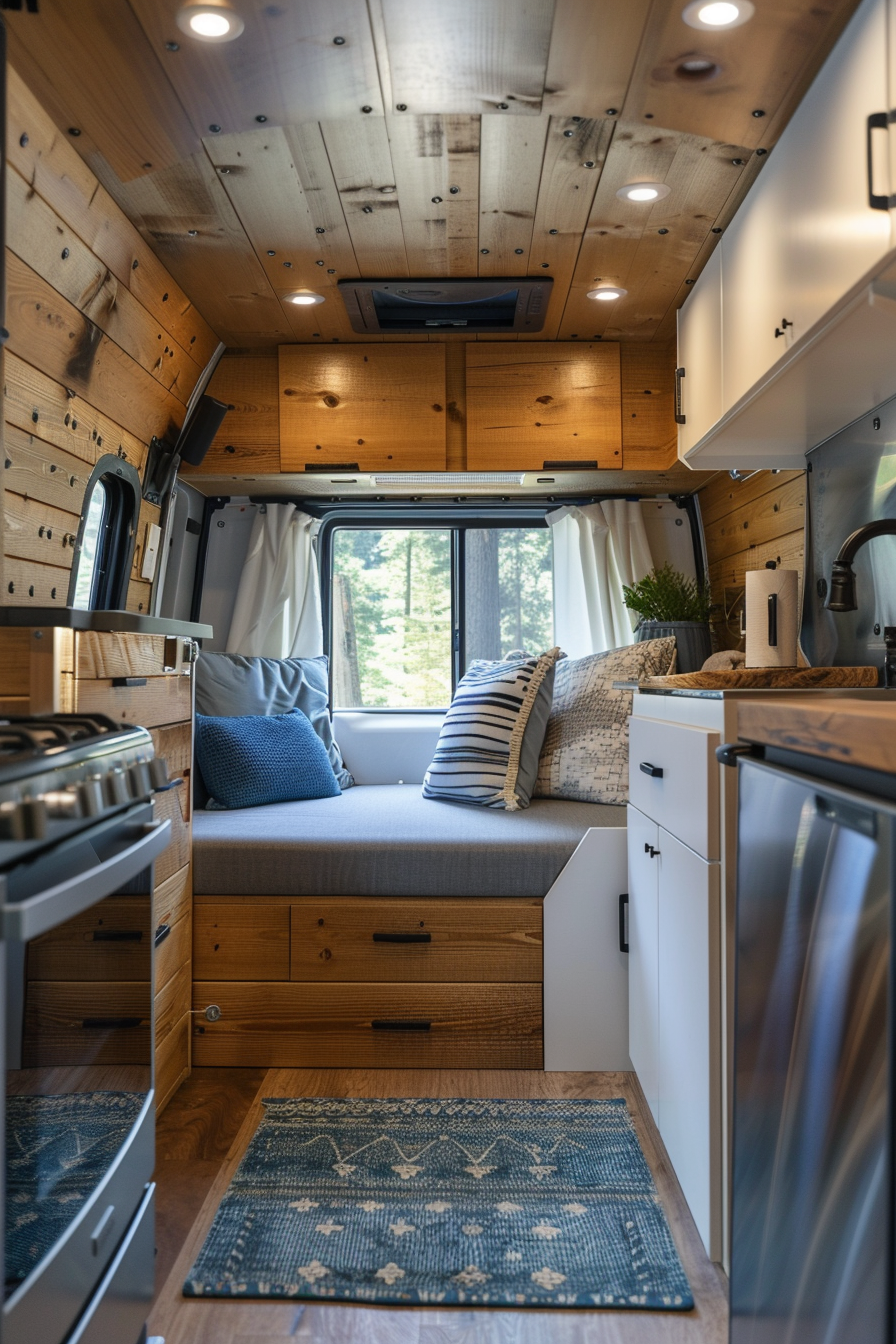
65, 772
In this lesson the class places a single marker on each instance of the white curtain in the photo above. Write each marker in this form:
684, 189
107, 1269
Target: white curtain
597, 549
277, 611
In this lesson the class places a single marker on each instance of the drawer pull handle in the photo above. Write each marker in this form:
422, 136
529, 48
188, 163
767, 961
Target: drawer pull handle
391, 1024
654, 771
128, 681
161, 934
402, 937
623, 941
117, 935
649, 849
111, 1023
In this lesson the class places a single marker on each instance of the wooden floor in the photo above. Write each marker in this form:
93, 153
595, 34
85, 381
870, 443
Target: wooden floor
204, 1132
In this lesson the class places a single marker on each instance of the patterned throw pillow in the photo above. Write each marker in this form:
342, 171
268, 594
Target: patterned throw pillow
585, 752
488, 746
262, 758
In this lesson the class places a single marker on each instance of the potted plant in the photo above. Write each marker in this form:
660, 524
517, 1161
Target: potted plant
669, 603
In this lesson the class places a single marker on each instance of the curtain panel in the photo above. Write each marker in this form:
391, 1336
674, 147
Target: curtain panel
597, 548
277, 613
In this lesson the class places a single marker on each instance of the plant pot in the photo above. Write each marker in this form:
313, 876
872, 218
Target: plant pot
691, 639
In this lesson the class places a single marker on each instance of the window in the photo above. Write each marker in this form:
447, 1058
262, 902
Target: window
104, 547
410, 607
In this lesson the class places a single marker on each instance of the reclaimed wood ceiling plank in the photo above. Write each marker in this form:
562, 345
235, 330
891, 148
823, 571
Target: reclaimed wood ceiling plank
647, 249
361, 163
754, 68
511, 159
472, 56
285, 66
594, 44
86, 54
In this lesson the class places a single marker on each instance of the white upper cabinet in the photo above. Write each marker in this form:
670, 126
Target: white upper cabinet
806, 242
700, 356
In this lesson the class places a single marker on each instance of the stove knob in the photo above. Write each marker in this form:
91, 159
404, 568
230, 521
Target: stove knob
139, 780
115, 788
11, 827
90, 793
63, 804
158, 772
34, 818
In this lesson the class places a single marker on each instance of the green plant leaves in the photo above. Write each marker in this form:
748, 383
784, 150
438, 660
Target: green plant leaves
667, 595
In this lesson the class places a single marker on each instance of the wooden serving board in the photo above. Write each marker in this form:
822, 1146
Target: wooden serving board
759, 678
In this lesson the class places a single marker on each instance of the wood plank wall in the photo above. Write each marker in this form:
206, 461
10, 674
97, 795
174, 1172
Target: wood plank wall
104, 350
745, 524
249, 441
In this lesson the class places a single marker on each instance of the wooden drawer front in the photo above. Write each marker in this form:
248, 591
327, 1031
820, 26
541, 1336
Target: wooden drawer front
466, 940
684, 799
172, 1061
161, 700
171, 1003
173, 898
173, 952
175, 746
110, 941
106, 653
301, 1025
243, 941
169, 806
54, 1016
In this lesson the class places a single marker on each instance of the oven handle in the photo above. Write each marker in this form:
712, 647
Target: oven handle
23, 920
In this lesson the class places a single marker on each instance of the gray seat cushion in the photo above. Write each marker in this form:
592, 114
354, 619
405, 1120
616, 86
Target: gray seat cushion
387, 840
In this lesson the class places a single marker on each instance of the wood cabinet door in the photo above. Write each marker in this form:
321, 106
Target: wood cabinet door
700, 356
363, 407
643, 950
535, 403
689, 1041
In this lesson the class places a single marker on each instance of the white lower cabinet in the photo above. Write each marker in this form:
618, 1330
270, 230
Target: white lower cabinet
674, 1009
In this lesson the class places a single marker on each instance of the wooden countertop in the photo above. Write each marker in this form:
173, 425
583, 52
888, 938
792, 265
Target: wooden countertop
856, 731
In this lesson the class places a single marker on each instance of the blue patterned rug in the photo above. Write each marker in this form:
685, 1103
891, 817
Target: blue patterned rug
57, 1148
498, 1203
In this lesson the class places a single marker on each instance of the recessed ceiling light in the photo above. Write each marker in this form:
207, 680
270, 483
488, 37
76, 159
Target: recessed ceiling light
715, 14
213, 21
305, 298
607, 293
643, 193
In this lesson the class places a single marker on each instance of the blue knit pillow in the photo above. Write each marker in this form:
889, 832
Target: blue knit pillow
262, 758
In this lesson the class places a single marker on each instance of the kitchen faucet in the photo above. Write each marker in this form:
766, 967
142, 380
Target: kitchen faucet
843, 580
843, 585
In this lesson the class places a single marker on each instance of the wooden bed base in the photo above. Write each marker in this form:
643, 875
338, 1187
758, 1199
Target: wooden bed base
367, 982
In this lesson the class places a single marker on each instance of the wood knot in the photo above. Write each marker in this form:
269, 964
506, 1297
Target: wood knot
330, 400
325, 954
545, 400
436, 406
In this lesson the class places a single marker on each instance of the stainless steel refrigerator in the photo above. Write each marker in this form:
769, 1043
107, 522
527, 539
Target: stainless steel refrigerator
812, 1208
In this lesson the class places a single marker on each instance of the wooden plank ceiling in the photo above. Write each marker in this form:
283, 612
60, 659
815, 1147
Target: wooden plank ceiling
337, 139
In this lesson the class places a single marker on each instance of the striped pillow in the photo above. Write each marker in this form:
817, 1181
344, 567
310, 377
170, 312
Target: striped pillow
482, 754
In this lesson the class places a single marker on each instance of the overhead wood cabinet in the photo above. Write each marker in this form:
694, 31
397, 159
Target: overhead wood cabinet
362, 407
804, 314
541, 405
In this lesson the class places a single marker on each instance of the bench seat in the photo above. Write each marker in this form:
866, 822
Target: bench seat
387, 840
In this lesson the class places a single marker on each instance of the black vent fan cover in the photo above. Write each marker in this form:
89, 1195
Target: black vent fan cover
494, 305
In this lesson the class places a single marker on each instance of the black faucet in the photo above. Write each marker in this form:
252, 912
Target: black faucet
843, 580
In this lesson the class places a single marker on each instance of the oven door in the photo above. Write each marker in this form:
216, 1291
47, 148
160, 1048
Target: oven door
78, 929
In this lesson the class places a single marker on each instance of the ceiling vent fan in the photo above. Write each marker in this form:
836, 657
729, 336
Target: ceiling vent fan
392, 307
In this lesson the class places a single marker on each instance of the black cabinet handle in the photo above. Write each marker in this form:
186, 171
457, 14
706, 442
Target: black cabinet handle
128, 681
649, 849
172, 784
161, 934
623, 941
402, 937
680, 419
390, 1024
878, 121
728, 752
654, 771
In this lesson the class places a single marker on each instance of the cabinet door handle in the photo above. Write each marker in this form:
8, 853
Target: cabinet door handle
680, 418
390, 1024
878, 121
782, 330
623, 941
402, 937
649, 849
654, 771
128, 681
161, 934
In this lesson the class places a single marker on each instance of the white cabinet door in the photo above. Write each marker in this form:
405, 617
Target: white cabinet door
689, 1081
643, 975
700, 355
806, 234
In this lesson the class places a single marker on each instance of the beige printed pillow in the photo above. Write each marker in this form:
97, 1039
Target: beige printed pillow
585, 752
